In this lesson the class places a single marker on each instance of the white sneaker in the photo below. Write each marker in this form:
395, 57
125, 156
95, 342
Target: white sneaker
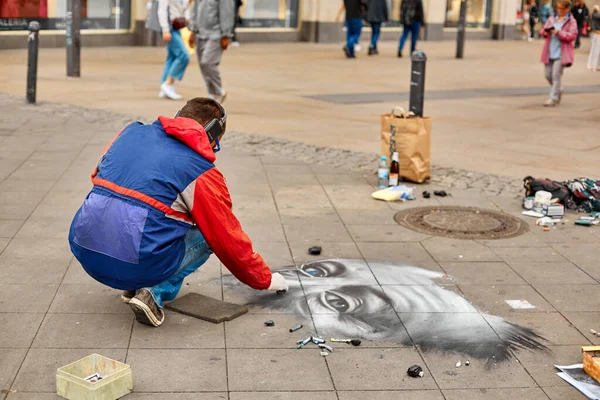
235, 44
221, 98
161, 94
550, 103
357, 48
169, 91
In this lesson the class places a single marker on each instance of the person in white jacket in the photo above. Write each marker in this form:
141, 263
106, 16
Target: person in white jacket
171, 17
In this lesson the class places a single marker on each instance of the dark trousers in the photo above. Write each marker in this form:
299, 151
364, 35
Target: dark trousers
532, 26
375, 32
353, 28
413, 29
578, 40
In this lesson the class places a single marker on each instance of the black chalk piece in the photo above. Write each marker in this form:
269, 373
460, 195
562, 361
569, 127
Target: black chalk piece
315, 250
440, 193
296, 328
355, 342
415, 371
281, 291
270, 323
426, 194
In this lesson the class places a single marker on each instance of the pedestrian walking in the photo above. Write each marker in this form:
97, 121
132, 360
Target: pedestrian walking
525, 23
412, 16
559, 32
594, 58
546, 11
238, 21
581, 14
377, 13
211, 24
355, 9
533, 17
171, 18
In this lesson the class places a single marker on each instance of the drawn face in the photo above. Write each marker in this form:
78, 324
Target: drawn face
344, 299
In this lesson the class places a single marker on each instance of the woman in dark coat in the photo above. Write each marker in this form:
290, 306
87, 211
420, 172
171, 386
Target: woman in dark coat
377, 13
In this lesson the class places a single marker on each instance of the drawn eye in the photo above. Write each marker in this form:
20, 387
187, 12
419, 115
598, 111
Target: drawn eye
340, 302
324, 269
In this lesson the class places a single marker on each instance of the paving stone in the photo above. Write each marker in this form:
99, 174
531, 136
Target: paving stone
45, 228
572, 297
10, 361
77, 275
479, 374
264, 232
555, 329
181, 370
38, 372
277, 370
18, 205
528, 239
491, 299
533, 254
287, 170
369, 217
406, 253
91, 299
261, 302
282, 395
178, 332
82, 331
33, 396
347, 250
565, 392
250, 332
275, 254
3, 243
444, 249
495, 273
384, 233
584, 321
26, 297
413, 273
552, 273
377, 369
19, 329
10, 227
14, 184
46, 262
495, 394
540, 365
317, 233
177, 396
392, 395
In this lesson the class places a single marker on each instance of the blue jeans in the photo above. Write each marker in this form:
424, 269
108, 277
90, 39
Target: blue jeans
177, 58
197, 252
353, 28
375, 32
413, 29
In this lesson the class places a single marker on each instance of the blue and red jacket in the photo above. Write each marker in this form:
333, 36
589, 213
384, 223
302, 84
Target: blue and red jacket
152, 184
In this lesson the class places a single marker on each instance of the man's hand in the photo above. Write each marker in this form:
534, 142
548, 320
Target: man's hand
225, 42
278, 283
167, 36
192, 40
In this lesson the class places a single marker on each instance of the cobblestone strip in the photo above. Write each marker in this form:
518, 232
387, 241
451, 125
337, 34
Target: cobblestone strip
269, 146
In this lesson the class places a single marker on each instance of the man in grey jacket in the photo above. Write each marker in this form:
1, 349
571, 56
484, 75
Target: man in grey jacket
211, 24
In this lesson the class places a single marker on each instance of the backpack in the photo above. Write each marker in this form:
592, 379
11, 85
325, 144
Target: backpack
558, 190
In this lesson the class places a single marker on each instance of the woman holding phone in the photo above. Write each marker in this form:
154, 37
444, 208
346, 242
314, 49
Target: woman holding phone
559, 32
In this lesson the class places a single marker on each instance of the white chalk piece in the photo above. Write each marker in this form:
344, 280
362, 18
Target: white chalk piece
520, 304
324, 353
458, 364
531, 213
467, 363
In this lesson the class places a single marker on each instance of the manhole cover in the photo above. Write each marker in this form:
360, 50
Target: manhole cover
461, 222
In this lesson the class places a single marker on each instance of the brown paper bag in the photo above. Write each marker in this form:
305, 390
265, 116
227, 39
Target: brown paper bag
410, 136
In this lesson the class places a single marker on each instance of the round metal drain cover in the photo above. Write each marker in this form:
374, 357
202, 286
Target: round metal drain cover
462, 222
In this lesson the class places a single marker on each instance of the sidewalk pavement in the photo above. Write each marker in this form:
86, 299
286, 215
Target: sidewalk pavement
487, 108
54, 314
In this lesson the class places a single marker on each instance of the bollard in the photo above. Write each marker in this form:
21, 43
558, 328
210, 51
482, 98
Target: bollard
417, 82
73, 37
460, 37
33, 42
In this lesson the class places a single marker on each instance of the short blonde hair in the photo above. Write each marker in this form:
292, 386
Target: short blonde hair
596, 8
565, 3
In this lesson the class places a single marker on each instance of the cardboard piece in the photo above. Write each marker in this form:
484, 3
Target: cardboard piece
206, 308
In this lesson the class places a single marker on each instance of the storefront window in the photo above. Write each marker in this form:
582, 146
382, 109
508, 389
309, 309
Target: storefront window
393, 13
95, 14
479, 13
269, 13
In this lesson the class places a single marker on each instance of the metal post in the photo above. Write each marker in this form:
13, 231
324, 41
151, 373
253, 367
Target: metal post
417, 82
460, 37
33, 42
73, 38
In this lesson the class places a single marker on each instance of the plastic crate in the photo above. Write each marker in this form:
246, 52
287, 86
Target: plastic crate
116, 382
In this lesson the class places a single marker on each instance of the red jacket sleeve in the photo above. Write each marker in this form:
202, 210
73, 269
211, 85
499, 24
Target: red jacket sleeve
211, 211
